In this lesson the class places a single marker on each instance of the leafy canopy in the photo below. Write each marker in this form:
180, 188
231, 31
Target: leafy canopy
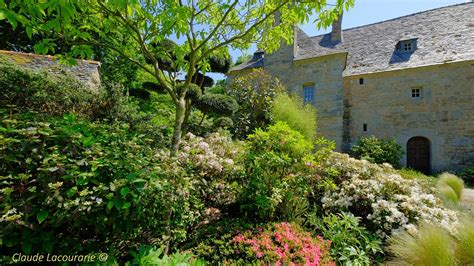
204, 29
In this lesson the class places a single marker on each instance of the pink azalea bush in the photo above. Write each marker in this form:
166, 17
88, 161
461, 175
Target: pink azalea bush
284, 244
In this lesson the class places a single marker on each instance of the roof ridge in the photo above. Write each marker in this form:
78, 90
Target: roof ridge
405, 16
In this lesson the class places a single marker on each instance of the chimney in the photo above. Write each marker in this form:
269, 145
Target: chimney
336, 33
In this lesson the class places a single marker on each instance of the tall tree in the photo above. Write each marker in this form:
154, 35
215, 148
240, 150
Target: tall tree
204, 28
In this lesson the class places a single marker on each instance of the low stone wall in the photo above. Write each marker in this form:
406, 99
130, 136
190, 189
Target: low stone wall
86, 71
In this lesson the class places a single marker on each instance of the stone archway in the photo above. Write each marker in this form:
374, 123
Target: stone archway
418, 154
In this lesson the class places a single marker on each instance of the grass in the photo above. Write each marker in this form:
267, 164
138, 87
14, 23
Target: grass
465, 247
450, 188
431, 246
427, 181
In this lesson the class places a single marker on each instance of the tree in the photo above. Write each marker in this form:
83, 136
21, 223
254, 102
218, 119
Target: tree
205, 28
255, 93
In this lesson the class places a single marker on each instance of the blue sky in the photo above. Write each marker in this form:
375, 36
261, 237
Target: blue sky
370, 11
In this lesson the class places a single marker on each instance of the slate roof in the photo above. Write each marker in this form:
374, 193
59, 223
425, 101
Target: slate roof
254, 62
442, 35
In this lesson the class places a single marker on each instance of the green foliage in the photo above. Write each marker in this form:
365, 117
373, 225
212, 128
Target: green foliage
216, 103
255, 93
468, 175
88, 183
219, 88
134, 29
214, 244
351, 243
299, 116
427, 181
47, 93
378, 151
279, 180
242, 58
431, 245
148, 255
450, 188
465, 246
223, 122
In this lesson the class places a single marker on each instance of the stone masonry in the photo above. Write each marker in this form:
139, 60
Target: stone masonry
408, 78
86, 71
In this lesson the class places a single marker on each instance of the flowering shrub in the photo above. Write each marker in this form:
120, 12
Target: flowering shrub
74, 186
213, 162
284, 244
379, 195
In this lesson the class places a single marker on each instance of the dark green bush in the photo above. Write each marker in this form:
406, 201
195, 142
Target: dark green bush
378, 151
47, 93
468, 175
254, 93
214, 244
73, 187
216, 103
351, 243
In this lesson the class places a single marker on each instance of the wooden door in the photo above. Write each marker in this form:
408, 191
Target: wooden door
418, 154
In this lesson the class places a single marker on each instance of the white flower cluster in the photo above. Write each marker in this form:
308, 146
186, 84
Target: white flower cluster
379, 194
212, 155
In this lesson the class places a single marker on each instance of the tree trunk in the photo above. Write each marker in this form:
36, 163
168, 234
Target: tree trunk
178, 123
187, 113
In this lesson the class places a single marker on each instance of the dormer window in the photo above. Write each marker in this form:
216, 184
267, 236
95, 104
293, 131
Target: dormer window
406, 45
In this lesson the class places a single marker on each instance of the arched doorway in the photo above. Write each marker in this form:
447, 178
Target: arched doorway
418, 154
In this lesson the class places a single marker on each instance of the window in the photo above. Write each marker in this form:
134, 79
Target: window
365, 127
308, 94
416, 92
361, 81
407, 45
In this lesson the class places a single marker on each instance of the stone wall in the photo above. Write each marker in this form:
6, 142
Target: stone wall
86, 71
326, 75
444, 113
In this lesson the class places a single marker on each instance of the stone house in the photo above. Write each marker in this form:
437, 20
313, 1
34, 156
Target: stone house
410, 78
85, 71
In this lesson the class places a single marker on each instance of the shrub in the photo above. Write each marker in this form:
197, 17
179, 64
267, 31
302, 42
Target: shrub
283, 244
431, 245
299, 116
213, 242
148, 255
279, 181
254, 93
75, 186
47, 93
215, 162
386, 202
468, 175
378, 151
350, 243
216, 103
450, 189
